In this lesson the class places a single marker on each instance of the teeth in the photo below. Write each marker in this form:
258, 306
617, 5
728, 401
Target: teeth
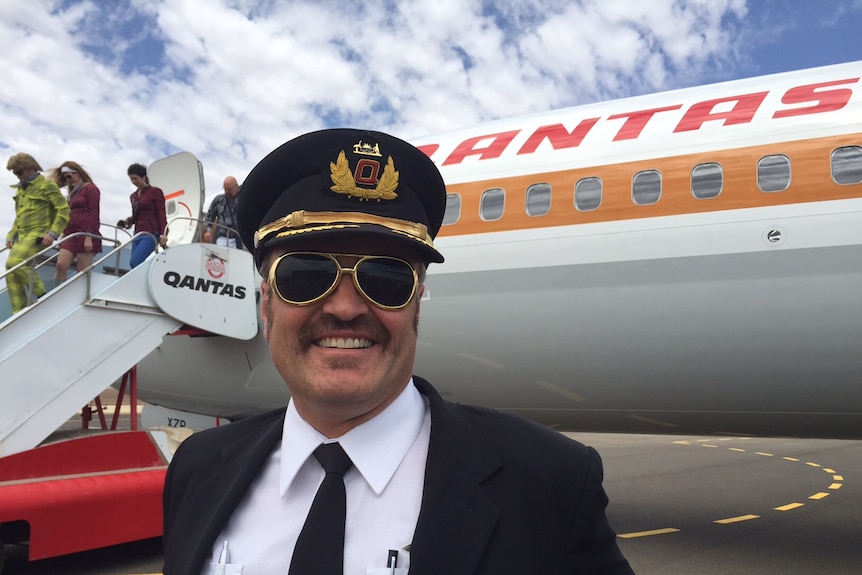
344, 343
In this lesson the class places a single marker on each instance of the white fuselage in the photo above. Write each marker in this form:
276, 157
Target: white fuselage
739, 312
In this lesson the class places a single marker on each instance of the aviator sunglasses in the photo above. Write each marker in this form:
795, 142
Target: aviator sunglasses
303, 278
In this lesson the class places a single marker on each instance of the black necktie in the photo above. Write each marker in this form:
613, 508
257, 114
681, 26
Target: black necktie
320, 547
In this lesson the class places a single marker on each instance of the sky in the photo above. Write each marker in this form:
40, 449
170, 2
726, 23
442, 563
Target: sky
108, 83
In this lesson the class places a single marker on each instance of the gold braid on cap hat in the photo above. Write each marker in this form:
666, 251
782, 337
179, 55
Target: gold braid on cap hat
299, 221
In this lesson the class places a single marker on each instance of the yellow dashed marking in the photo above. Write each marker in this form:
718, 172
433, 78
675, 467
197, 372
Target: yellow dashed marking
647, 533
736, 519
711, 442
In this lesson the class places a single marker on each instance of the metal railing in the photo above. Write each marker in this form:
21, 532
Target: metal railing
43, 257
204, 224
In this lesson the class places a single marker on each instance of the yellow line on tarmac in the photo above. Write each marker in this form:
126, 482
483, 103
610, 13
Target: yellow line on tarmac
647, 533
736, 519
820, 495
789, 506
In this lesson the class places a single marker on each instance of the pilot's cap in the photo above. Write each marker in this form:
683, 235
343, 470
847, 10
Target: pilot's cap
331, 182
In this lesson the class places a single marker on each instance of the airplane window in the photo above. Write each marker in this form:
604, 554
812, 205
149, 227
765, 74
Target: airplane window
492, 204
453, 209
707, 180
588, 194
170, 208
646, 187
847, 165
773, 173
538, 199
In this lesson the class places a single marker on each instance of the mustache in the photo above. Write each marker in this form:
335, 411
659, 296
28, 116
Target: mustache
365, 325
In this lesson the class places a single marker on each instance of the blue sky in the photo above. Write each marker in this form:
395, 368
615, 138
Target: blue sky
107, 84
794, 34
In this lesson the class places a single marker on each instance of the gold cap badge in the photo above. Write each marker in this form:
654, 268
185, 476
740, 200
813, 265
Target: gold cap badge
356, 183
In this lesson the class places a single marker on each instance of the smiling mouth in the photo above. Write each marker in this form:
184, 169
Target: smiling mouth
344, 343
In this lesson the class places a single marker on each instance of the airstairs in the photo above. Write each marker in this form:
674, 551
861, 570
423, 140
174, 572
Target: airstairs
75, 341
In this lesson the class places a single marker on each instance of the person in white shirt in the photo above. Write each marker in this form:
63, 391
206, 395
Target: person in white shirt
368, 470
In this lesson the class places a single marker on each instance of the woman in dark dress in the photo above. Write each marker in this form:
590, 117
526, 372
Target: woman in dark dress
83, 196
148, 215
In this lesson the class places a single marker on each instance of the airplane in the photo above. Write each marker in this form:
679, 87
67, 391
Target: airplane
683, 262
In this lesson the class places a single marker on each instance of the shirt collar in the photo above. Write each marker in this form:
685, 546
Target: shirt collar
376, 447
24, 183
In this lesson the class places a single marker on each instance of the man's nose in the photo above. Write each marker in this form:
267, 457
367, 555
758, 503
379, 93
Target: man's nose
345, 301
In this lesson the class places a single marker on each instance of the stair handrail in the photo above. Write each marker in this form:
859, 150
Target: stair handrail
205, 223
34, 265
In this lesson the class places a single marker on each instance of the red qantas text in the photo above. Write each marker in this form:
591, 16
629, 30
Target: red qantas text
730, 110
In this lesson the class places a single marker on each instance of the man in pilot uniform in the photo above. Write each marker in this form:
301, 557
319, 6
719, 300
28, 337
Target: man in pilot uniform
368, 469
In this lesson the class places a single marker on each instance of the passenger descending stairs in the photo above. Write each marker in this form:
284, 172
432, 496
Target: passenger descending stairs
64, 350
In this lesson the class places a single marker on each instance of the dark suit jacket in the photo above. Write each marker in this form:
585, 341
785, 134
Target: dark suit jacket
501, 495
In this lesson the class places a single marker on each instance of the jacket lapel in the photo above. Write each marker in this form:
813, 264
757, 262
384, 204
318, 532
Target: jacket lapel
456, 518
216, 498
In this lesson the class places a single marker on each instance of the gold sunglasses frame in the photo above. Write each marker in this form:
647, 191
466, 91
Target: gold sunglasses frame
342, 270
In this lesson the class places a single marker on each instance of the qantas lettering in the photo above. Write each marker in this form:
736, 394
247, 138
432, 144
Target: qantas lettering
637, 121
740, 109
175, 280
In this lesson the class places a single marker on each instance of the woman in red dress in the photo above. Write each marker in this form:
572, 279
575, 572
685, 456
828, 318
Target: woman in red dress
84, 202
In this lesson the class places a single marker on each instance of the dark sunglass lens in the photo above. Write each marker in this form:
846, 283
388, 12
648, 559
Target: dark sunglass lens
303, 278
387, 282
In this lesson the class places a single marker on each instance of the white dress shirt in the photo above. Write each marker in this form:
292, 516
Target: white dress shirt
384, 491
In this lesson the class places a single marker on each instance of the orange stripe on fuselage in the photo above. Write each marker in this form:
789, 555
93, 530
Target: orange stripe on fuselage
175, 195
811, 181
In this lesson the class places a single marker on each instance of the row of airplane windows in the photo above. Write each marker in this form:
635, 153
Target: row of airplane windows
707, 182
